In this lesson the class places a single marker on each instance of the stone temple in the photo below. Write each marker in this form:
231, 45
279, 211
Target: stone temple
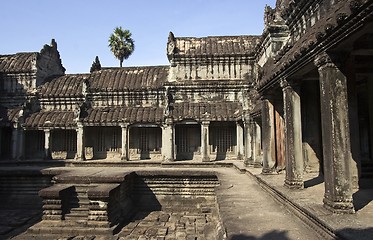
294, 100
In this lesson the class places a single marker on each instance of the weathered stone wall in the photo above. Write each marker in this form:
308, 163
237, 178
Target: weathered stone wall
228, 68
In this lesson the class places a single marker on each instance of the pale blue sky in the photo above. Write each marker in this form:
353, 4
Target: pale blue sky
82, 27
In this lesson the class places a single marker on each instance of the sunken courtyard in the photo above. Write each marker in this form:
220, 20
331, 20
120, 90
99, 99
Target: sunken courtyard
239, 137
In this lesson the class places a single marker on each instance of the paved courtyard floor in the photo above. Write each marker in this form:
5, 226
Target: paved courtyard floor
247, 212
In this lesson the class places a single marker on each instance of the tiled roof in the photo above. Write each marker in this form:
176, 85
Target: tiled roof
19, 62
215, 46
8, 116
219, 111
67, 85
129, 78
53, 119
113, 115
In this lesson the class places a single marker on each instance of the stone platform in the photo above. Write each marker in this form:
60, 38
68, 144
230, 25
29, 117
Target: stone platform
245, 211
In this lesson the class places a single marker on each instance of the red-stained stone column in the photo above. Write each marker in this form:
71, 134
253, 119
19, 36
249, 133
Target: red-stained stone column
335, 135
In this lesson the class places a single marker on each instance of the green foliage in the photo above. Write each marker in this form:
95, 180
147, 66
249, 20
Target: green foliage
121, 44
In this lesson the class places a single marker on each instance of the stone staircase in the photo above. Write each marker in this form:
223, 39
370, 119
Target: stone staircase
101, 203
79, 204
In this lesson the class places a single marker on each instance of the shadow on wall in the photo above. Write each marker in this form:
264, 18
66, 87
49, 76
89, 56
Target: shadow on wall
273, 235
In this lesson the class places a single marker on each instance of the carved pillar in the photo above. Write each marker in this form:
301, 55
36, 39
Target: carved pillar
239, 136
293, 135
248, 144
335, 136
205, 141
124, 154
268, 134
80, 148
168, 140
47, 144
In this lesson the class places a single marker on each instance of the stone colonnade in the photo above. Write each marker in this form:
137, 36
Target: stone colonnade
168, 141
337, 159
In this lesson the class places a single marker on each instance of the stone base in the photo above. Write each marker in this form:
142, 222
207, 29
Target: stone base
257, 165
248, 162
168, 160
339, 207
294, 184
205, 159
269, 171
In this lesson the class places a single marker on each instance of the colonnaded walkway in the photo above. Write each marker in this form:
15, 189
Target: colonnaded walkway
246, 210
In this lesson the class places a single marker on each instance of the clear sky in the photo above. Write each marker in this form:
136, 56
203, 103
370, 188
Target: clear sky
82, 27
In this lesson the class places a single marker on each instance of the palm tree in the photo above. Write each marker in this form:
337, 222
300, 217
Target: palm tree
121, 44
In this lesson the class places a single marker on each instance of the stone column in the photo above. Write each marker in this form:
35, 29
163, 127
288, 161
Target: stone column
248, 144
293, 135
268, 134
205, 141
335, 135
124, 154
47, 144
256, 143
80, 148
21, 143
239, 136
14, 141
168, 140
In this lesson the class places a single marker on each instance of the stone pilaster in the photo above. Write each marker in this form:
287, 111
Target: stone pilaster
80, 148
268, 134
205, 141
239, 136
335, 136
168, 140
124, 153
47, 144
293, 135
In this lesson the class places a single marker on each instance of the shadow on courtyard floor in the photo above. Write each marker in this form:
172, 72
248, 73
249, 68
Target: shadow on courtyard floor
275, 235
